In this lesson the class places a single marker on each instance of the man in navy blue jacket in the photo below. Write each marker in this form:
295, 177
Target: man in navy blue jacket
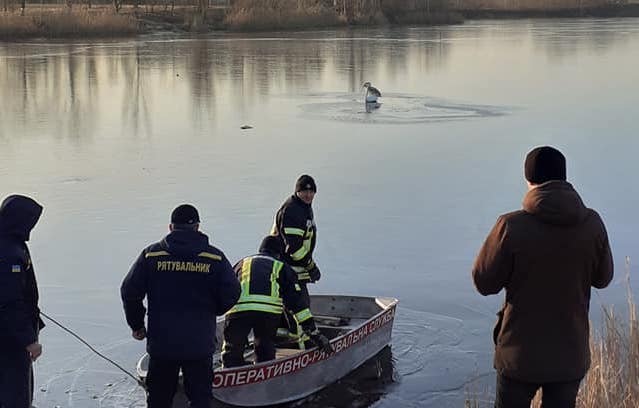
187, 283
19, 314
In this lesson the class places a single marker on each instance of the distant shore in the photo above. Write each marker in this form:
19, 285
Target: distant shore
103, 22
625, 10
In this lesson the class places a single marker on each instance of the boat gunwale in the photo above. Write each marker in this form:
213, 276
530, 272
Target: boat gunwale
392, 303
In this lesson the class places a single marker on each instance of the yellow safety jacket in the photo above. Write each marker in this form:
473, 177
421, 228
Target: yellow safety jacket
268, 285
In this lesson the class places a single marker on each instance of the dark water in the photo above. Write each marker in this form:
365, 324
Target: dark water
110, 136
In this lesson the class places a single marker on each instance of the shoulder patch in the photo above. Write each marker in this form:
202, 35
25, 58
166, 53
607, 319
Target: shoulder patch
16, 268
210, 256
157, 253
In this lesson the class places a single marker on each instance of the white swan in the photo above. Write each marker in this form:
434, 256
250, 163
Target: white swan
372, 93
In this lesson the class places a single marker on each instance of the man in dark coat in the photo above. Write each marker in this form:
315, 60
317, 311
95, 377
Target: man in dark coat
547, 257
187, 283
19, 314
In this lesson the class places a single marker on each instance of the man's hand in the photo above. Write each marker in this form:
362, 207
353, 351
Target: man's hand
34, 350
314, 273
139, 334
322, 342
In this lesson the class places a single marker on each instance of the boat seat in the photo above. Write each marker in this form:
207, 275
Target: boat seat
334, 321
348, 325
286, 352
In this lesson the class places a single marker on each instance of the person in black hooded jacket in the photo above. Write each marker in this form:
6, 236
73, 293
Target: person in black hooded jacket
19, 314
187, 283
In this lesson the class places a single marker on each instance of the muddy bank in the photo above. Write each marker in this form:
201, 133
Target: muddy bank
181, 21
623, 10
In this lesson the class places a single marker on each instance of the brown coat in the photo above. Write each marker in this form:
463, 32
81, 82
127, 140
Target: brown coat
546, 256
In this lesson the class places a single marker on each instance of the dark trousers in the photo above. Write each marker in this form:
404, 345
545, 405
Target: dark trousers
162, 381
16, 379
236, 330
516, 394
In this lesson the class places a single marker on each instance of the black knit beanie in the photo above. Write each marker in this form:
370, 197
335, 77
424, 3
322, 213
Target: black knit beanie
305, 182
543, 164
185, 215
272, 245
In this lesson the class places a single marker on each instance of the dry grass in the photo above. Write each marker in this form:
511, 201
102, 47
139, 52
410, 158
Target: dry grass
420, 12
15, 26
279, 14
613, 378
285, 14
66, 24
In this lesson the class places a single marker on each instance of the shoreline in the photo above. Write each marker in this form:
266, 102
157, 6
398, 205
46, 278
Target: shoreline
99, 23
622, 11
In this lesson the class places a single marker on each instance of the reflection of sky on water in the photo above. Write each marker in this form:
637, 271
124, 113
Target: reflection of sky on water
111, 135
137, 83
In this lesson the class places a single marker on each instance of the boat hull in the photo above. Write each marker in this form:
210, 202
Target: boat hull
369, 330
296, 377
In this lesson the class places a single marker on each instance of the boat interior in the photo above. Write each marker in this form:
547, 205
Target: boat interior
334, 316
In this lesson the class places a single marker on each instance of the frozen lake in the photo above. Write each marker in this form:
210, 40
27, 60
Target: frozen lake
110, 136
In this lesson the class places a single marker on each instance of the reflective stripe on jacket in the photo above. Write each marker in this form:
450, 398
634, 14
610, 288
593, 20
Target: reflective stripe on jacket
295, 225
187, 283
268, 285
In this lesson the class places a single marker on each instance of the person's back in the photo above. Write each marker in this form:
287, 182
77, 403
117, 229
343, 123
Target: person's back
268, 285
187, 283
555, 245
184, 294
547, 256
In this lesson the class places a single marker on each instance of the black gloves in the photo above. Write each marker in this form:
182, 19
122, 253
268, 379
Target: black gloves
322, 342
314, 273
